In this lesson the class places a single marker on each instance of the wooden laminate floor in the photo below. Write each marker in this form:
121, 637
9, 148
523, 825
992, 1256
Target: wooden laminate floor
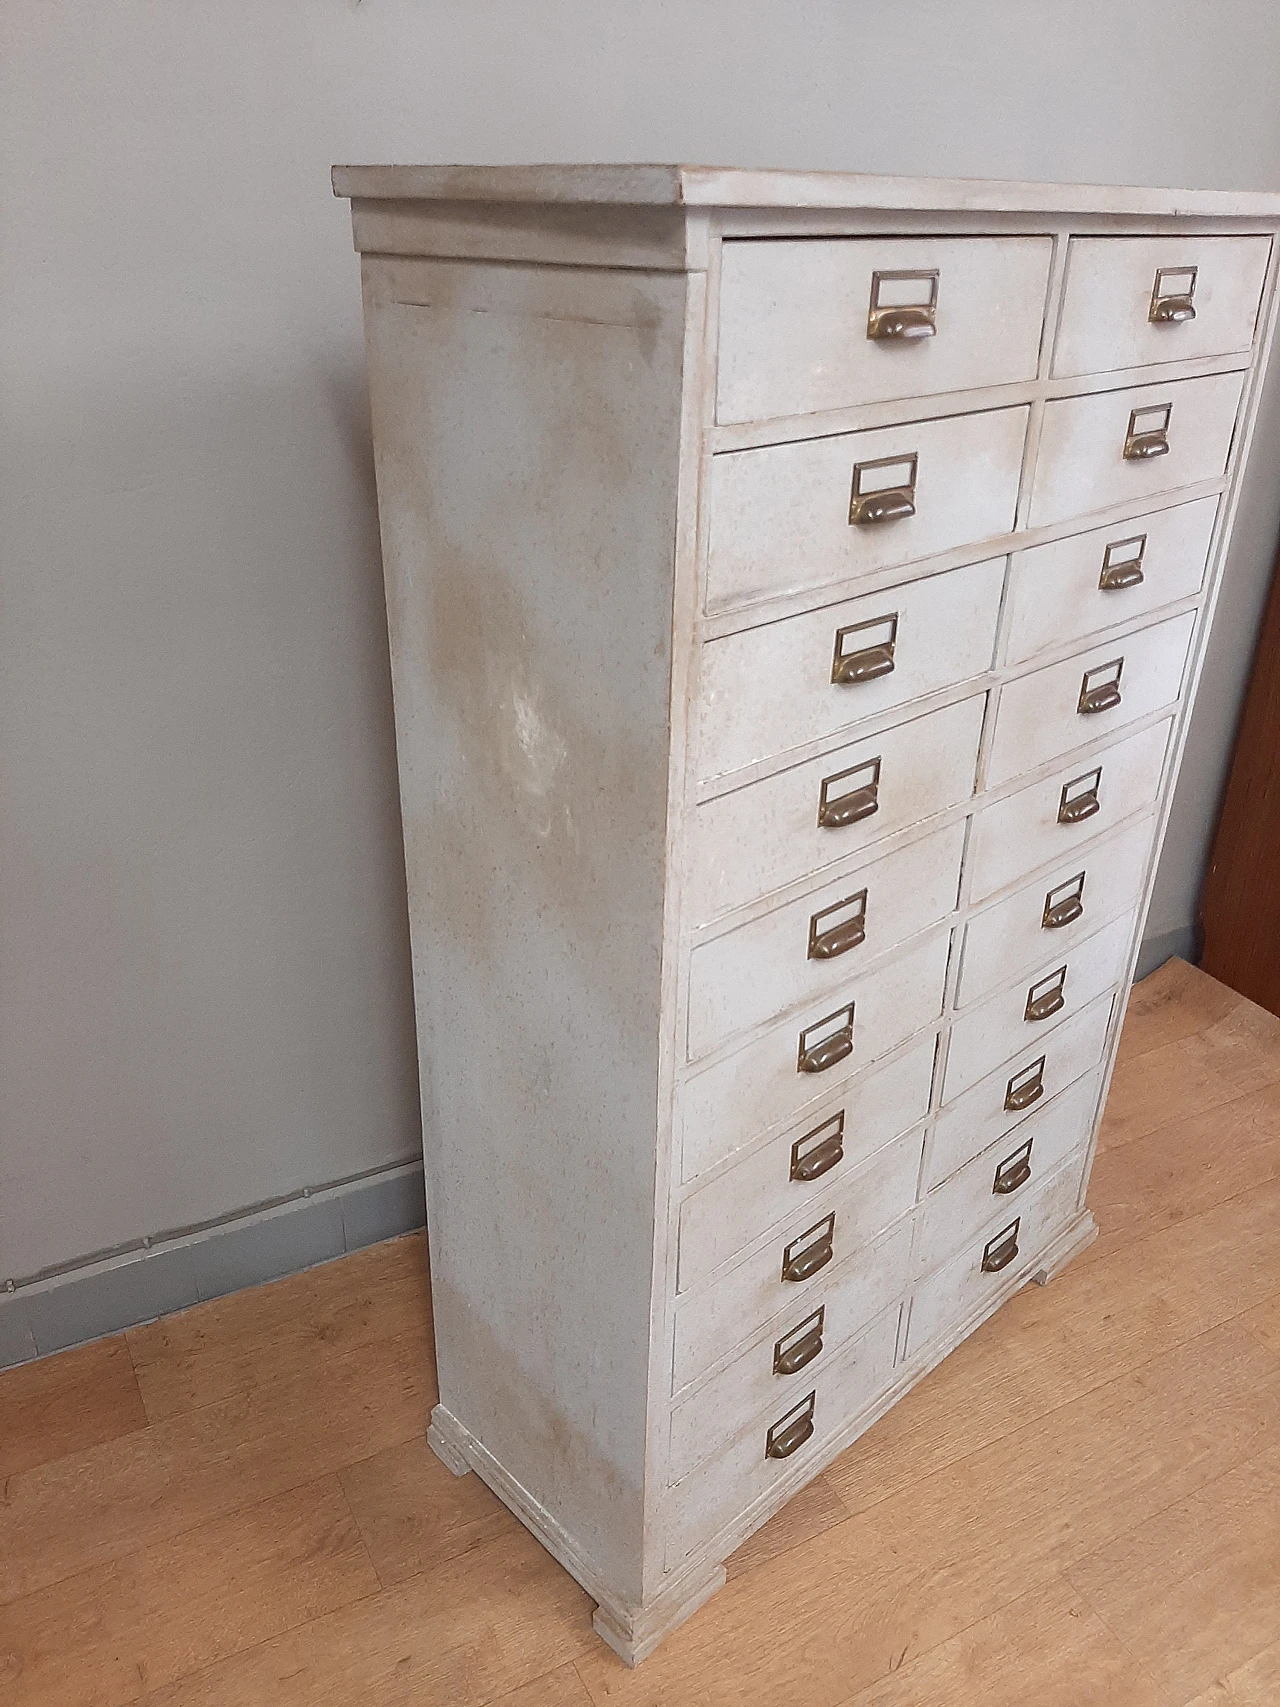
236, 1506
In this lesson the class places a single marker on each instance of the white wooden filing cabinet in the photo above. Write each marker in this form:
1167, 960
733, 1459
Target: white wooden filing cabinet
797, 584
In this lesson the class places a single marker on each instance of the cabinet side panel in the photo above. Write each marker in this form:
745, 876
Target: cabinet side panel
526, 425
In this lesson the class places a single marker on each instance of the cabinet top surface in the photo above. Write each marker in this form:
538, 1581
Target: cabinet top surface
740, 187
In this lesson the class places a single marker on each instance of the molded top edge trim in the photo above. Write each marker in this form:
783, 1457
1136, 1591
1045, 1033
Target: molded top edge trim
740, 187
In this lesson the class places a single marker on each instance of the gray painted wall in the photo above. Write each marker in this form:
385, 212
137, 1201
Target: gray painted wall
202, 918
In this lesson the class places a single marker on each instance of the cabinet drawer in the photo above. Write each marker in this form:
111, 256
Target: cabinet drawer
1052, 817
961, 1288
827, 1233
755, 839
782, 516
1053, 710
1009, 1022
779, 1179
998, 1104
1005, 1174
744, 1472
1083, 465
770, 689
804, 327
1131, 301
1056, 911
778, 1075
1075, 586
799, 1346
809, 947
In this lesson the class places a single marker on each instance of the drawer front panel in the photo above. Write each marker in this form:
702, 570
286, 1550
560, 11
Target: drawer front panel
957, 1291
787, 1069
998, 1104
1083, 466
1051, 711
778, 1180
799, 320
1006, 1174
1051, 818
1055, 912
781, 515
768, 690
1075, 586
744, 844
808, 948
1027, 1012
713, 1320
744, 1472
799, 1346
1131, 301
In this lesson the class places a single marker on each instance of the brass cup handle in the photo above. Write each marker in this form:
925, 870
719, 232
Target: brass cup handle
1018, 1097
849, 808
820, 1160
799, 1353
1172, 311
812, 1258
1082, 807
1011, 1174
865, 666
828, 1052
891, 505
1097, 699
1066, 912
782, 1442
1001, 1251
901, 325
1043, 1006
839, 939
1123, 575
1143, 446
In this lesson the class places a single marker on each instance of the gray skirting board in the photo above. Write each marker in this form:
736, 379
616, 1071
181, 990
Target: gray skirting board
103, 1297
1183, 941
135, 1286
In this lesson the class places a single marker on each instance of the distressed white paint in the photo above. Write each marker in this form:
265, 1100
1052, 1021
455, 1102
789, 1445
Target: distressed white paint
756, 839
1043, 715
1082, 466
1004, 940
712, 1320
951, 1292
1023, 830
1001, 1027
954, 1211
726, 1104
613, 621
742, 977
766, 691
722, 1217
1106, 311
780, 514
793, 315
1055, 591
982, 1114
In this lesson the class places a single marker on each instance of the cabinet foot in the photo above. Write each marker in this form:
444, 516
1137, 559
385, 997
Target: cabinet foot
438, 1439
1077, 1237
633, 1637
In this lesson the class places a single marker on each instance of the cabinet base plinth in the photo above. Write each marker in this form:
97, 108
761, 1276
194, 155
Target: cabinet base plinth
634, 1638
444, 1449
1078, 1237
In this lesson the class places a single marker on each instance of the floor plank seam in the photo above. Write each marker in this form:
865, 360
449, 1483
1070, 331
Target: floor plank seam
364, 1540
1157, 1688
1112, 1146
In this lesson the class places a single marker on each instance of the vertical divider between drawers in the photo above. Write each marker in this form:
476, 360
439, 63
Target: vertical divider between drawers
1052, 313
